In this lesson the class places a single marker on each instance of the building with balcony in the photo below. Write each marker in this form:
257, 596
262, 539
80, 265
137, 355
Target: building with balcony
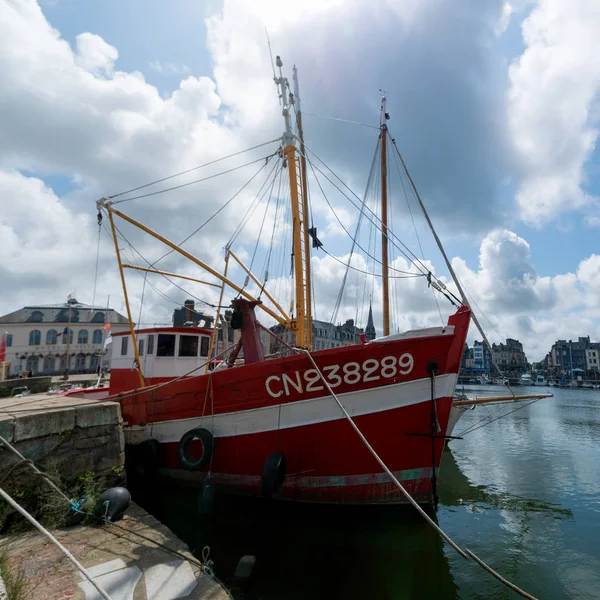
37, 336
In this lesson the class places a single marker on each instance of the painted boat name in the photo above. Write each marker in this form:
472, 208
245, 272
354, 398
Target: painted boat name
350, 373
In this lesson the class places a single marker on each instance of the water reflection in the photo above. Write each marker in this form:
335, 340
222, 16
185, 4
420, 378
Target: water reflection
309, 551
523, 493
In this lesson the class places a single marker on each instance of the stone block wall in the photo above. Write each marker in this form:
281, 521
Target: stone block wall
68, 442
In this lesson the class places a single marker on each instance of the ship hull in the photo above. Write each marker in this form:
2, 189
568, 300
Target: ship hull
282, 406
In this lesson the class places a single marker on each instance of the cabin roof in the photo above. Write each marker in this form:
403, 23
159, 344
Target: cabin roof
185, 329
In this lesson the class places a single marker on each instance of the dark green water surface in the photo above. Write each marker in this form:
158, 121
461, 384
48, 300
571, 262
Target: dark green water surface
523, 493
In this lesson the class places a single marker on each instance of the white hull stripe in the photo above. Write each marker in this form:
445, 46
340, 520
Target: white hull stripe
301, 412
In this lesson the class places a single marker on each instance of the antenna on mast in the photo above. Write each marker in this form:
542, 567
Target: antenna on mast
271, 55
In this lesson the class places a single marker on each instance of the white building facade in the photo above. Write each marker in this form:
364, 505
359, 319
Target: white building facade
37, 336
592, 359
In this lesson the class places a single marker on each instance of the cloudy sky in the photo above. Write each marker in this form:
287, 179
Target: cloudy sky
493, 105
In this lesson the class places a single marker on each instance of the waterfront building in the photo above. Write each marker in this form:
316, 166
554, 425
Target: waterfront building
581, 356
510, 356
592, 359
327, 335
37, 336
482, 357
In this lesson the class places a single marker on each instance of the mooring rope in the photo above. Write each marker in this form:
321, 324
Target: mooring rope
464, 553
43, 530
206, 565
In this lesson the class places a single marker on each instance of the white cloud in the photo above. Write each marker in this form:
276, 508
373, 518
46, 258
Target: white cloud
504, 21
74, 114
95, 55
520, 303
167, 68
553, 94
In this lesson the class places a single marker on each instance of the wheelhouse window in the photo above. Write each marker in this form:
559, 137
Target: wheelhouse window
165, 344
150, 344
141, 347
204, 344
188, 345
124, 341
35, 337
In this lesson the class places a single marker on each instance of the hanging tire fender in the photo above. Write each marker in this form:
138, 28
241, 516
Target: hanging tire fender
273, 474
184, 450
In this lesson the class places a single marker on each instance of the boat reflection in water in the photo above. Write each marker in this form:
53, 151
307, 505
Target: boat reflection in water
385, 552
312, 551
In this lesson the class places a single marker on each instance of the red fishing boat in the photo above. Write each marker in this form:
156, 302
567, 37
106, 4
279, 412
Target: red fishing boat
272, 425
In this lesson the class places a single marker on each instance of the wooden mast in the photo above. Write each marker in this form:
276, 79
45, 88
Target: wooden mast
384, 220
298, 325
138, 363
304, 180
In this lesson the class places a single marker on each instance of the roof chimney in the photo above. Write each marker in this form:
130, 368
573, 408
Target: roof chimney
189, 311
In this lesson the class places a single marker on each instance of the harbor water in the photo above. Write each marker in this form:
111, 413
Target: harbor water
522, 492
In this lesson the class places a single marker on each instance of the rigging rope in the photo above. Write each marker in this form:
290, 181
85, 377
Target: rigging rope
45, 532
97, 258
412, 218
206, 565
354, 242
477, 425
123, 238
340, 120
257, 200
356, 233
212, 162
261, 227
464, 553
407, 276
218, 211
182, 185
391, 234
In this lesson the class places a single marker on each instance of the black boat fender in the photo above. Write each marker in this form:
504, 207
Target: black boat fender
184, 451
112, 504
273, 474
206, 497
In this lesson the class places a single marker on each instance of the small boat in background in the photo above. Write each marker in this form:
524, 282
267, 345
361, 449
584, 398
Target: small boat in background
526, 379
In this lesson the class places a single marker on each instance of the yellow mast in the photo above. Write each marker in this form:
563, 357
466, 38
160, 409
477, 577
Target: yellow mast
107, 205
304, 180
384, 223
299, 325
138, 363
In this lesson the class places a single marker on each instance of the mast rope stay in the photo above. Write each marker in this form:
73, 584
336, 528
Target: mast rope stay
134, 249
188, 183
466, 553
97, 257
461, 291
212, 162
412, 218
375, 219
353, 238
217, 212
